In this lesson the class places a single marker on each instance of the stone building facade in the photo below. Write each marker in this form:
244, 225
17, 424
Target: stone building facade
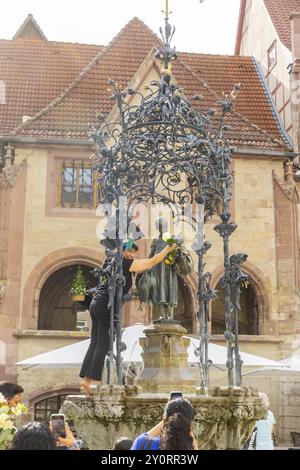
270, 22
277, 24
48, 197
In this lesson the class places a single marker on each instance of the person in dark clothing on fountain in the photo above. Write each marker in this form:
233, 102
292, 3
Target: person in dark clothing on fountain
92, 367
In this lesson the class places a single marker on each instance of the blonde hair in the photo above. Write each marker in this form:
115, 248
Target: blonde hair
265, 399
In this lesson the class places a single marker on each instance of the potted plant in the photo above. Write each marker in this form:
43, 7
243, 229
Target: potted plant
78, 288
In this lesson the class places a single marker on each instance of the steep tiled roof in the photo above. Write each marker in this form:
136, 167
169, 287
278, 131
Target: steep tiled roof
66, 95
280, 12
36, 72
69, 111
213, 75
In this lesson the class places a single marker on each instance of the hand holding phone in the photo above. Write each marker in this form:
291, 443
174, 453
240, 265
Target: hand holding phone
58, 425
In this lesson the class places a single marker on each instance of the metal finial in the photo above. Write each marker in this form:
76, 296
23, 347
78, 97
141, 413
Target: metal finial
166, 54
167, 9
168, 28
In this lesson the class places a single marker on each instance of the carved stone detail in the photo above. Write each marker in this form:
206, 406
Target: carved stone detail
165, 359
288, 187
224, 419
10, 174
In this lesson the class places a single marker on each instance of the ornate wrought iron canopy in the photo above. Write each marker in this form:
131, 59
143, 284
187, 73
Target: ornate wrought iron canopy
163, 149
164, 144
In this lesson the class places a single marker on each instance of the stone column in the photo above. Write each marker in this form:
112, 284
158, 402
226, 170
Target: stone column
165, 360
12, 213
286, 200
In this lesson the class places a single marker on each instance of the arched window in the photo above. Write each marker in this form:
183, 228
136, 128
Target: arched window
57, 311
44, 408
248, 314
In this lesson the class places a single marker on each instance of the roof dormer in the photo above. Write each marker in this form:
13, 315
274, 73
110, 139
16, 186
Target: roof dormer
30, 30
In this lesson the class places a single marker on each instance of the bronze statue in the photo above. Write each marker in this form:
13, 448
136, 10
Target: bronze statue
159, 285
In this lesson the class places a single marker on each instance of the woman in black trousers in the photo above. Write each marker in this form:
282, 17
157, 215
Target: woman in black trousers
92, 367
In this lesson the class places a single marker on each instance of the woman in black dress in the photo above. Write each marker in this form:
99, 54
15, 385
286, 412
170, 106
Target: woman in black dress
91, 370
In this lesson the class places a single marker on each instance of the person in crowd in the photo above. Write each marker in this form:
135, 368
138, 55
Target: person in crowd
33, 436
39, 436
174, 432
265, 428
68, 442
123, 443
92, 367
12, 393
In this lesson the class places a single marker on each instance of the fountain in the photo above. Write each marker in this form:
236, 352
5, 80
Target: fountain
165, 151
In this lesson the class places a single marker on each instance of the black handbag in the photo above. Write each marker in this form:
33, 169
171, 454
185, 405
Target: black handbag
250, 444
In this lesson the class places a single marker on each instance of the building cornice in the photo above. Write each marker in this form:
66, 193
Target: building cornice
32, 140
90, 143
264, 153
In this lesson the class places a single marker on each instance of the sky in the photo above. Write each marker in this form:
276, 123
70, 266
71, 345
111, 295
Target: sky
207, 26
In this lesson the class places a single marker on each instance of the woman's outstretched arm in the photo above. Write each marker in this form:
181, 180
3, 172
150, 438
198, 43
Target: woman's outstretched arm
140, 265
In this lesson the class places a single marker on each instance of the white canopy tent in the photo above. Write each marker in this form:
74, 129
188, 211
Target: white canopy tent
288, 366
73, 354
292, 361
264, 371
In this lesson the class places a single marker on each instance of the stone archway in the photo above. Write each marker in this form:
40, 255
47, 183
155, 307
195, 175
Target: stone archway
48, 265
261, 289
248, 314
56, 310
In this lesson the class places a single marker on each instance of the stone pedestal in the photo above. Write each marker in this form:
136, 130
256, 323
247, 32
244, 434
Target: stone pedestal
165, 360
223, 419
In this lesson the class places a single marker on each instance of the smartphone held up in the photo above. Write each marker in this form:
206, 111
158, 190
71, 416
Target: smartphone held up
58, 425
175, 395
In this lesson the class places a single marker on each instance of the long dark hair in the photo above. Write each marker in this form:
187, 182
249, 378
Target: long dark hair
33, 436
176, 433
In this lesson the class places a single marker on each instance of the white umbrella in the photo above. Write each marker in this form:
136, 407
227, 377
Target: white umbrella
292, 361
283, 370
288, 366
218, 355
73, 354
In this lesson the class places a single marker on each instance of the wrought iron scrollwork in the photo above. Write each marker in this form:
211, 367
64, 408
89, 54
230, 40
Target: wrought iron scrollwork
163, 149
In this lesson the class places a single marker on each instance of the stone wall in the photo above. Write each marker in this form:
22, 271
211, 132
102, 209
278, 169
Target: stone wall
41, 383
289, 411
268, 384
12, 188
